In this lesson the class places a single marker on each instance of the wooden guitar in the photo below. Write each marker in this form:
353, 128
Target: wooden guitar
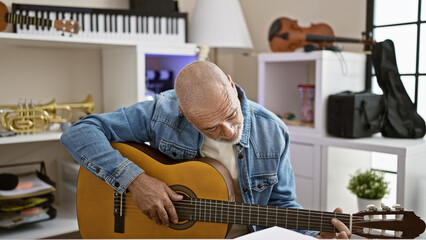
70, 26
103, 213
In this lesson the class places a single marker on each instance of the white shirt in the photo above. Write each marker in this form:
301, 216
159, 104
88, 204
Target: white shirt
225, 153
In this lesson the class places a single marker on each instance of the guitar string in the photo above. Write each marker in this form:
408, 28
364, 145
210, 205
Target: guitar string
238, 205
312, 212
290, 212
313, 222
280, 222
261, 218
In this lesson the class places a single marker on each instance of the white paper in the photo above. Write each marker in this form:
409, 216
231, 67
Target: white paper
37, 186
275, 233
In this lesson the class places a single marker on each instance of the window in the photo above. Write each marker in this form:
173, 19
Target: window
404, 22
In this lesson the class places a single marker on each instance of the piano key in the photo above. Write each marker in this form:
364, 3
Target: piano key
46, 18
92, 16
119, 26
86, 19
67, 16
101, 24
52, 17
146, 24
31, 27
138, 24
115, 23
151, 31
133, 26
163, 24
126, 24
129, 24
174, 20
181, 25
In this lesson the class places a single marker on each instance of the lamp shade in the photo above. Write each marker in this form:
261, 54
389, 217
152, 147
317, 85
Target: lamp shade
220, 24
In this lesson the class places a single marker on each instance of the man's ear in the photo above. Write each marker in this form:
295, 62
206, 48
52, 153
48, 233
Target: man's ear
230, 80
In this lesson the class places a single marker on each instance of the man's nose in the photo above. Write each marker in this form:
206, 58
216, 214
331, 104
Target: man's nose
228, 130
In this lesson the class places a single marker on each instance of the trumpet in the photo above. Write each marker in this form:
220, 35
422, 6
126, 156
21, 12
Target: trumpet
29, 118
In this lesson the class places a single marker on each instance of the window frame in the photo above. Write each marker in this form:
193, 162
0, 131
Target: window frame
369, 29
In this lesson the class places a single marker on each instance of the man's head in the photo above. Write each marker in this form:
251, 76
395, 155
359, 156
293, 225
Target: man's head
209, 101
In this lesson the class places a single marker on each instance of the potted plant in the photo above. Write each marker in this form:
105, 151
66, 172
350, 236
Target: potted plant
369, 186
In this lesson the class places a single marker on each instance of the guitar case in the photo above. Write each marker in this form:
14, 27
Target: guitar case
401, 118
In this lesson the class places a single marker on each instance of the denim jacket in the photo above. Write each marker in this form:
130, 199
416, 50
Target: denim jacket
263, 159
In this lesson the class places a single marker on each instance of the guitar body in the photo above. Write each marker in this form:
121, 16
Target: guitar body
95, 198
3, 11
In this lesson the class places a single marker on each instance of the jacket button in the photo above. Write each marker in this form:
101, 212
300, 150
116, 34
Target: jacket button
259, 185
117, 184
98, 170
245, 189
241, 156
174, 154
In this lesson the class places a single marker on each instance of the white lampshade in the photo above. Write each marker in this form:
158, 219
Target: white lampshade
219, 24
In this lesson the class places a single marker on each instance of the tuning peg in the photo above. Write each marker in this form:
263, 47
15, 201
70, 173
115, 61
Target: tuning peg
384, 207
398, 207
371, 208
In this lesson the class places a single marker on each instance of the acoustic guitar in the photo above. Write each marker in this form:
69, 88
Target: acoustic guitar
70, 26
208, 208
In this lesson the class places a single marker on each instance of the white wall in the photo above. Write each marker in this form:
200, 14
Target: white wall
346, 17
28, 72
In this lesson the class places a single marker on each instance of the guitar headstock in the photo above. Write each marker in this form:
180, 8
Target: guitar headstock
70, 26
395, 223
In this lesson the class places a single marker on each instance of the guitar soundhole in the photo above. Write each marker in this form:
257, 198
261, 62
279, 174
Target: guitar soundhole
183, 210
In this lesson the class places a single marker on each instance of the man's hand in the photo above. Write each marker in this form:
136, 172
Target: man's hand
154, 198
344, 232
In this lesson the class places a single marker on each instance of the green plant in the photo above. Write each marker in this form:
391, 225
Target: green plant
369, 184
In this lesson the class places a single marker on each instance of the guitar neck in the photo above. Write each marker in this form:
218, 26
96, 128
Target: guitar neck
207, 210
19, 19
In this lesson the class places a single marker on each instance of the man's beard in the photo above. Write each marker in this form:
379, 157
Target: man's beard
234, 140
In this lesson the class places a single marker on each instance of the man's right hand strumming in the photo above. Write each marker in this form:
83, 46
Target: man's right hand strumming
154, 198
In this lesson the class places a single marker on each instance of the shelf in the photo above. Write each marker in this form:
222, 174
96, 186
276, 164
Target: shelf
34, 137
94, 43
65, 222
378, 143
280, 75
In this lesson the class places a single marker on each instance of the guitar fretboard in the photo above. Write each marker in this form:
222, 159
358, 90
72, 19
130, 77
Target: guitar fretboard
251, 214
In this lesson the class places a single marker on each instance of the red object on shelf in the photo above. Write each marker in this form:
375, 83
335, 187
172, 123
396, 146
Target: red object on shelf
307, 94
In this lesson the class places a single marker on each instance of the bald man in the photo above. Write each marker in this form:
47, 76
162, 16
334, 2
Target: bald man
207, 115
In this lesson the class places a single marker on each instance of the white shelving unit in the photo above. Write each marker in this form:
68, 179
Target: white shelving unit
330, 72
122, 70
279, 77
322, 164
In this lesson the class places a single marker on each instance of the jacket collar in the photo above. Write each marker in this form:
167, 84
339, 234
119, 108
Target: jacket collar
245, 109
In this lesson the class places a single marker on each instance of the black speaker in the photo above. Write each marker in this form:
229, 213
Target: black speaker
355, 114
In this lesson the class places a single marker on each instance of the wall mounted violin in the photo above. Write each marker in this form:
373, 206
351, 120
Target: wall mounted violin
285, 35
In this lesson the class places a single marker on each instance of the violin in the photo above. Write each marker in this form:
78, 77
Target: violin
285, 35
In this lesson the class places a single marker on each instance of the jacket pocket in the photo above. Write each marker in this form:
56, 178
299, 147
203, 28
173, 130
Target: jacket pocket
261, 182
175, 151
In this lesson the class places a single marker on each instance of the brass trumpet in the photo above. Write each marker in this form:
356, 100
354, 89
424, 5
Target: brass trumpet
29, 118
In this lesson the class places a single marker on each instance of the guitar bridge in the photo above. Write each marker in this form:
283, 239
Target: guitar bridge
119, 204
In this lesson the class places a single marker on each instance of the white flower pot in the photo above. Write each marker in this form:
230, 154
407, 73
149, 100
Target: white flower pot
363, 203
